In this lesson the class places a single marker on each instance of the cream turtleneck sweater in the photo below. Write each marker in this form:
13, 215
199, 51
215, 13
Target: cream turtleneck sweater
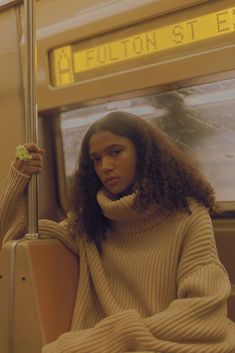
158, 286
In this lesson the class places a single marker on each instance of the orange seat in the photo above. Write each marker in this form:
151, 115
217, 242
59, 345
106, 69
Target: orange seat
38, 290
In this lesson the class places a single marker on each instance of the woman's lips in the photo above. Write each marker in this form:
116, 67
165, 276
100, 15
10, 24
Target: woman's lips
111, 180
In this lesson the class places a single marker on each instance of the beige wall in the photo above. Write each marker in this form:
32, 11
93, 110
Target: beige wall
11, 93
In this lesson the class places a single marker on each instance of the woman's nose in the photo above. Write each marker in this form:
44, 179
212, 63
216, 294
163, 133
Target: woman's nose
107, 164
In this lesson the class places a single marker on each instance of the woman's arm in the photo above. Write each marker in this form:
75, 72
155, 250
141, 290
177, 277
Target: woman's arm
194, 323
13, 196
13, 203
13, 206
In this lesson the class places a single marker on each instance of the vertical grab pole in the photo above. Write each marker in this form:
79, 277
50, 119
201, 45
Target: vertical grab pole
31, 119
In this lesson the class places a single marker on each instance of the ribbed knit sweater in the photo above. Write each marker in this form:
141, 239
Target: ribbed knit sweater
157, 287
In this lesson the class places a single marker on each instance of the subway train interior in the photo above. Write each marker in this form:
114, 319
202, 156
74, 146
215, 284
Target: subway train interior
171, 62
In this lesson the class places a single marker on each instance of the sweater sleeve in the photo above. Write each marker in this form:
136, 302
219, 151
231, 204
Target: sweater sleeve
195, 322
13, 206
13, 214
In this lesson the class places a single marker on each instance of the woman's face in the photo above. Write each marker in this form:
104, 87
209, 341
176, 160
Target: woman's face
114, 159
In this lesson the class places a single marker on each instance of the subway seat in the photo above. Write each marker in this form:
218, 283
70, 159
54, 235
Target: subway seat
37, 293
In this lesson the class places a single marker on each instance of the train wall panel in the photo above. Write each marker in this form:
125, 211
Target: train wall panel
11, 91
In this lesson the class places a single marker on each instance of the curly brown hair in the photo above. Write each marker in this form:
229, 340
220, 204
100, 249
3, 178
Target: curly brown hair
164, 175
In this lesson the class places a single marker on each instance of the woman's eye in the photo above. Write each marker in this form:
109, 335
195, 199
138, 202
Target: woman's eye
95, 160
115, 152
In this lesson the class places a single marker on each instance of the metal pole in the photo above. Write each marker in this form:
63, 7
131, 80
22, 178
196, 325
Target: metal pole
31, 119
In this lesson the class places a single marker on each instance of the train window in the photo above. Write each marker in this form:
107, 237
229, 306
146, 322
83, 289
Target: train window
200, 119
4, 2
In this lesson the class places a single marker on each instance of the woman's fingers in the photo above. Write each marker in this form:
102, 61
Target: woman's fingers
29, 167
32, 147
36, 156
33, 165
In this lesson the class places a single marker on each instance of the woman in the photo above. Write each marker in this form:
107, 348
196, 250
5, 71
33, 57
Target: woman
150, 277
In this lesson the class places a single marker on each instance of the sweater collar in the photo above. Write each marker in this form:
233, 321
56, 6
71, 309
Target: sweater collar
123, 217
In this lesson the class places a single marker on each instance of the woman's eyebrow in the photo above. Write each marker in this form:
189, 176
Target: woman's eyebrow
93, 154
114, 145
107, 148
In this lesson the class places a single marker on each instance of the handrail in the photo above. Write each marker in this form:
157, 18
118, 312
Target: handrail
31, 119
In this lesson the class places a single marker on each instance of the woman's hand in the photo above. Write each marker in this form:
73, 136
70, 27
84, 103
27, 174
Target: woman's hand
33, 165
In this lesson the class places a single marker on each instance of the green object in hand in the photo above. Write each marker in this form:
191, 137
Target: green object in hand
22, 153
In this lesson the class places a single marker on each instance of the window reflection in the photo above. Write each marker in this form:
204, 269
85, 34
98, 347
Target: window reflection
200, 119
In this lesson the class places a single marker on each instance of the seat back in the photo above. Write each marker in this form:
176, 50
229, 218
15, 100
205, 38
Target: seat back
225, 241
38, 290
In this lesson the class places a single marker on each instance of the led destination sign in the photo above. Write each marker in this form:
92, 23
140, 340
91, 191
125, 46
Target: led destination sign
69, 61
